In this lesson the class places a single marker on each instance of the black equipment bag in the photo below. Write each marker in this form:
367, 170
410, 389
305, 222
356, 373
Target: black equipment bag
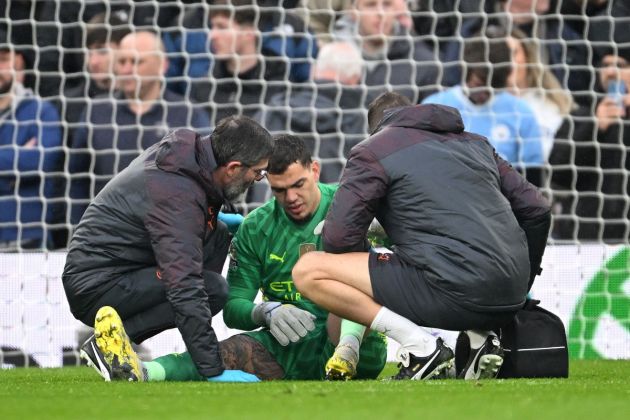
535, 345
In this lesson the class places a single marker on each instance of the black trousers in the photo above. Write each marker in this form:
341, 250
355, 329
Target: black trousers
139, 296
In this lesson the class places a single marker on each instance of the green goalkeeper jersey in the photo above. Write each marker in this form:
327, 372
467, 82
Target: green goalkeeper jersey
263, 253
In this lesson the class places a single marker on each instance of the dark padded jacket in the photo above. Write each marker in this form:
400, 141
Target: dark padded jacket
448, 203
155, 213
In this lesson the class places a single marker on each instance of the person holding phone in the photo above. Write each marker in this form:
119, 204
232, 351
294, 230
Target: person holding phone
614, 77
597, 160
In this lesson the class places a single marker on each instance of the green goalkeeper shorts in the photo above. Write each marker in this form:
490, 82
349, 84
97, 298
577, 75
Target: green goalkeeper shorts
305, 360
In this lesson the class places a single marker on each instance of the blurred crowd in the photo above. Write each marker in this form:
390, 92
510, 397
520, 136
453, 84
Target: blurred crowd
85, 86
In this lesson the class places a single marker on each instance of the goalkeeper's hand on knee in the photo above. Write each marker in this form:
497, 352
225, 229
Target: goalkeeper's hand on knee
286, 323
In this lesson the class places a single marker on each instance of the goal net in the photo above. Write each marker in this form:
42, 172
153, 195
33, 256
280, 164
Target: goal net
74, 111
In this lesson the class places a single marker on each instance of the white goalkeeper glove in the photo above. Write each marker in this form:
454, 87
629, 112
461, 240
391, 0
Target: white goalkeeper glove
287, 323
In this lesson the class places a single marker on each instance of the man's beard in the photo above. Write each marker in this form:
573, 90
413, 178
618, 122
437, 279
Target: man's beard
5, 87
236, 189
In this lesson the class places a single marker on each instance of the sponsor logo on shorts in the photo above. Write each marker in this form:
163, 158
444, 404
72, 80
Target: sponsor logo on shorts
383, 257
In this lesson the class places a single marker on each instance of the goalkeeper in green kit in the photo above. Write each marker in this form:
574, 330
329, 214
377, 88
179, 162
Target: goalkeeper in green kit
298, 339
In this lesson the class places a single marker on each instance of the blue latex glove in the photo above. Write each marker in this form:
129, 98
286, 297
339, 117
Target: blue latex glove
234, 376
232, 220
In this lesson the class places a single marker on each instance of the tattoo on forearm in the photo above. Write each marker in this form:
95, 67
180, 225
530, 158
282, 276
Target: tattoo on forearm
244, 353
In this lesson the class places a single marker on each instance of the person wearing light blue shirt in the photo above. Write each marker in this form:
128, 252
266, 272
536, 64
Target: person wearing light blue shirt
487, 109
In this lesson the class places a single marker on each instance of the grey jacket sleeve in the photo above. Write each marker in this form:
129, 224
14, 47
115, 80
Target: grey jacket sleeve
362, 185
176, 224
532, 210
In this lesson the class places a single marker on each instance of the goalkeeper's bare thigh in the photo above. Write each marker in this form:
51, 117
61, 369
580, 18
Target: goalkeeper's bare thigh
242, 352
404, 289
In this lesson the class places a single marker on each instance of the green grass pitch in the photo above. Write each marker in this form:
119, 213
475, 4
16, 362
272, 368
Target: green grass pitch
595, 390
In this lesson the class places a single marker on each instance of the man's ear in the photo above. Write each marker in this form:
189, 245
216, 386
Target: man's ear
354, 13
19, 65
316, 168
232, 168
165, 64
19, 62
251, 31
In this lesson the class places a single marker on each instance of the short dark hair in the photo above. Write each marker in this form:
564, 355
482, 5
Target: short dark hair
106, 27
287, 150
8, 38
489, 58
384, 101
242, 11
242, 139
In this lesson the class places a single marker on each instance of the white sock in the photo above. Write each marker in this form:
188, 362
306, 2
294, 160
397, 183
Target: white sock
351, 334
478, 337
409, 335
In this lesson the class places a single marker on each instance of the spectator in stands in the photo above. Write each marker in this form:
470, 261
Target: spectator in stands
445, 19
115, 131
321, 16
566, 50
104, 33
30, 157
590, 169
283, 36
241, 80
487, 107
51, 34
608, 26
329, 114
393, 58
536, 84
596, 162
48, 37
245, 64
446, 24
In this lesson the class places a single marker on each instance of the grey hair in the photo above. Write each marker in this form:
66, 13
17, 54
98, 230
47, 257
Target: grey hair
340, 58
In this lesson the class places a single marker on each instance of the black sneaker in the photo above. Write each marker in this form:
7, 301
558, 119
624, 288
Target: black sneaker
434, 366
484, 362
94, 357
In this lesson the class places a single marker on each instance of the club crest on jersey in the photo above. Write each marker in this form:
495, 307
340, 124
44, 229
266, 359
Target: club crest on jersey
307, 247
